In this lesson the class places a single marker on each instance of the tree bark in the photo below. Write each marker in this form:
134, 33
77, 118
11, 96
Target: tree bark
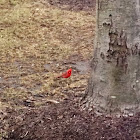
114, 86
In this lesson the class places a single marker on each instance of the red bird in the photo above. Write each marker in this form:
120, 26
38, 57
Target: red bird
66, 74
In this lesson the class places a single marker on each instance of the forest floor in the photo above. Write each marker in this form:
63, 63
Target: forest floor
39, 40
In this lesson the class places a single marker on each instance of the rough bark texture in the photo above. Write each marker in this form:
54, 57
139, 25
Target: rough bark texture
114, 85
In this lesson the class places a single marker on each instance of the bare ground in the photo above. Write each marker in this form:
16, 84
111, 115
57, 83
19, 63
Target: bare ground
67, 121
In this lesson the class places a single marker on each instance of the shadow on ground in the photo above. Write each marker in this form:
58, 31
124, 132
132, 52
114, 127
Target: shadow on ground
75, 5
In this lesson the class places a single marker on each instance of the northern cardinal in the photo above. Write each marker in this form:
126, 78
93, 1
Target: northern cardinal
66, 74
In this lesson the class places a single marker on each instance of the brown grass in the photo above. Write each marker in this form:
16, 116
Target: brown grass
34, 34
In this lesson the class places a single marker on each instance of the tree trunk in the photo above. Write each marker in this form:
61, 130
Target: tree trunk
114, 85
